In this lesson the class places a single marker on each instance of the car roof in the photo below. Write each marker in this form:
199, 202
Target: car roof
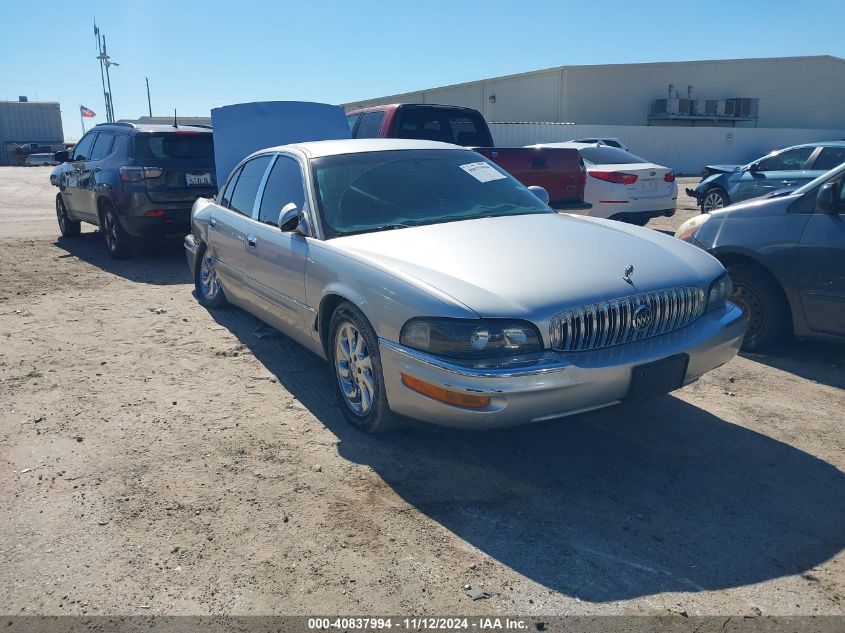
317, 149
570, 144
126, 126
818, 144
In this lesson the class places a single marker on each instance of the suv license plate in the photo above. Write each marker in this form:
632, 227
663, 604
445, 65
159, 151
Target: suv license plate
657, 378
198, 180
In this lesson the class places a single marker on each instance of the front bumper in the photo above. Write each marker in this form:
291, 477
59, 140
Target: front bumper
694, 193
554, 384
192, 247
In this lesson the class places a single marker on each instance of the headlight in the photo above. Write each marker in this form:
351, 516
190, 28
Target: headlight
689, 228
720, 290
470, 338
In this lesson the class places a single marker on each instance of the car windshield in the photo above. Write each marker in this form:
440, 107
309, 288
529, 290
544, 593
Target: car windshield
610, 156
359, 193
184, 145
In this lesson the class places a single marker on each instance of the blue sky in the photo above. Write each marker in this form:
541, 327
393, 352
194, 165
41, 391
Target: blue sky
200, 54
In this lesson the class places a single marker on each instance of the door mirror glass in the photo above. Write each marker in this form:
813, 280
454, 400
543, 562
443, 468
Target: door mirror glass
541, 193
62, 156
826, 198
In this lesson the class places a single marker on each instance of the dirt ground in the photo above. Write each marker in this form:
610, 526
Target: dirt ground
158, 458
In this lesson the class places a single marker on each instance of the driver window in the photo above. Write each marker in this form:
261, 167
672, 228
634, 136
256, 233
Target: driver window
789, 160
284, 185
82, 151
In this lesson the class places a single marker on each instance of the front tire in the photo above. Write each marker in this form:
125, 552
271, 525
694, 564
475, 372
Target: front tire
714, 198
359, 385
765, 309
68, 227
118, 242
209, 291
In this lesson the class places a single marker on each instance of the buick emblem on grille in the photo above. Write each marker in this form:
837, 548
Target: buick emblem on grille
642, 316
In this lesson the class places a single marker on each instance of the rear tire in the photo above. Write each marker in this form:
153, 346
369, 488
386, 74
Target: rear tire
68, 227
765, 309
118, 241
209, 291
714, 198
359, 381
638, 221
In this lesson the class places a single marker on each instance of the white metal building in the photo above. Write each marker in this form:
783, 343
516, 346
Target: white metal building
793, 100
793, 92
23, 122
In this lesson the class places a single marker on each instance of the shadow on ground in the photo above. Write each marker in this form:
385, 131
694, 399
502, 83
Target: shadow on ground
819, 361
660, 496
158, 263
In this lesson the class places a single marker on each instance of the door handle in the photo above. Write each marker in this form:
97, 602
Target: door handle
251, 240
212, 223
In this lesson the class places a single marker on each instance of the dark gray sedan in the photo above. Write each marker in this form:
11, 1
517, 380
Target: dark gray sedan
786, 257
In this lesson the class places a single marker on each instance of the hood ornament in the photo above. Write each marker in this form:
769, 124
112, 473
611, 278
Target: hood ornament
629, 270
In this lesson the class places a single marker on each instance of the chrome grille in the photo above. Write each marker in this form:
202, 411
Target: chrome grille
613, 322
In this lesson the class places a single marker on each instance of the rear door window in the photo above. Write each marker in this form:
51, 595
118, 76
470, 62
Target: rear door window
370, 124
605, 155
102, 146
175, 145
829, 158
284, 185
242, 198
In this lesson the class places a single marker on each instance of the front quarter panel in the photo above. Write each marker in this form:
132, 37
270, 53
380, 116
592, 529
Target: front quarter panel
388, 298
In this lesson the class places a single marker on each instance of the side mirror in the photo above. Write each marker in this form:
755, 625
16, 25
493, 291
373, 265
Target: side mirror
292, 220
62, 156
541, 193
753, 168
826, 198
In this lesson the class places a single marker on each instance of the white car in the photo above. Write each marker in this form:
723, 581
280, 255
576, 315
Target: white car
622, 186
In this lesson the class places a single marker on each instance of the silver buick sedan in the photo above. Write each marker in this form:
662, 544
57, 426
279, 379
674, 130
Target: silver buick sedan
440, 288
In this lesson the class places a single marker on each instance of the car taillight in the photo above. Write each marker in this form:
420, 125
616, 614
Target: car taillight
617, 177
134, 174
154, 213
669, 176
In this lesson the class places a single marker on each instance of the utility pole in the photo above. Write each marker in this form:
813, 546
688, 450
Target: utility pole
149, 104
108, 63
102, 74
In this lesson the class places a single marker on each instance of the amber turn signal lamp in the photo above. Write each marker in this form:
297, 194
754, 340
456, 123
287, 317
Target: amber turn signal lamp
444, 395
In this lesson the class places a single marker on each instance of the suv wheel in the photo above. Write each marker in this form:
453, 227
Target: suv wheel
118, 242
68, 227
359, 384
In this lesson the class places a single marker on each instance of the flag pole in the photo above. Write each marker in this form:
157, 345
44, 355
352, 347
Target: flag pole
82, 120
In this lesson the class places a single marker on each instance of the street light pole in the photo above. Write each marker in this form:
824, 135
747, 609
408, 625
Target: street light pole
108, 63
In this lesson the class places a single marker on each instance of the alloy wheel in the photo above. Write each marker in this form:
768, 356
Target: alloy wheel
713, 200
61, 215
110, 228
354, 369
209, 284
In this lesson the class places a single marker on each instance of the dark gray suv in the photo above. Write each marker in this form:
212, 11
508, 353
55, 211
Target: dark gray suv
134, 181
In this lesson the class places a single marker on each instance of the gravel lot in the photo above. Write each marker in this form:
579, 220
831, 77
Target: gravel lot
158, 458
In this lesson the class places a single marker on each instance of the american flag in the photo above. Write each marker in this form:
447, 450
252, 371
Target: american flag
86, 112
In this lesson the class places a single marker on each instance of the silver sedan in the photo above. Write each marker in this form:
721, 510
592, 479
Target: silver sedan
440, 288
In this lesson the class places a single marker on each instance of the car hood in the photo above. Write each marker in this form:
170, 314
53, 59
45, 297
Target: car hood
719, 169
532, 266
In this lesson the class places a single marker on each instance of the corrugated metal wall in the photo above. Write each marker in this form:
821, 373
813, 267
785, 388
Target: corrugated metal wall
795, 92
685, 149
28, 122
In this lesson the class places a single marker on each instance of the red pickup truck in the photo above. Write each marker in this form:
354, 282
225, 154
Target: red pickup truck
559, 171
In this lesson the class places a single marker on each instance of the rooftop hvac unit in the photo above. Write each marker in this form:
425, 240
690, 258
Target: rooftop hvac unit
711, 107
747, 108
684, 106
698, 107
727, 107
